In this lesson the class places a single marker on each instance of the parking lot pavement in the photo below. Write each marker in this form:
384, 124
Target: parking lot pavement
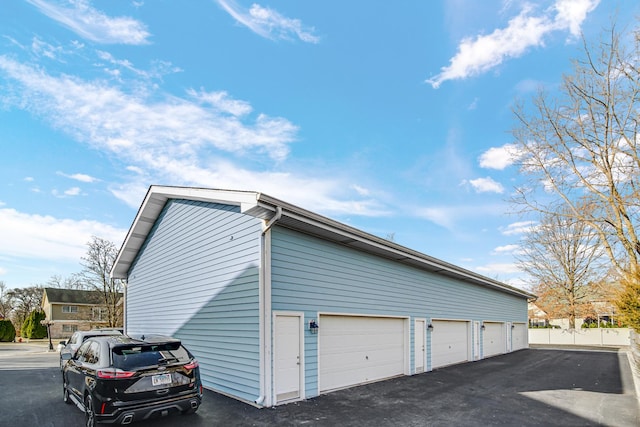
525, 388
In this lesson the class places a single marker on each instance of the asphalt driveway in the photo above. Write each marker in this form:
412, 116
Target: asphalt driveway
527, 388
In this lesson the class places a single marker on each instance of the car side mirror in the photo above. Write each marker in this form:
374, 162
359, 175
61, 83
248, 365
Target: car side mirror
66, 356
63, 343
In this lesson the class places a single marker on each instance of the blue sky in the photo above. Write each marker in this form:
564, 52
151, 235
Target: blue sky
393, 118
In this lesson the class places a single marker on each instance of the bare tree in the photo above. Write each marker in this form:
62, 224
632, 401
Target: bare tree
6, 301
580, 150
97, 264
75, 281
24, 301
563, 259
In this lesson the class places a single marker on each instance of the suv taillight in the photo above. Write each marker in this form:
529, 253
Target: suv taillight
191, 365
111, 374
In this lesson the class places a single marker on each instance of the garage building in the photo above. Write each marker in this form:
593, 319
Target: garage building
280, 304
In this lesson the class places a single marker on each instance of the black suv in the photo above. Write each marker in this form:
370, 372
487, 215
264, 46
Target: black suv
118, 379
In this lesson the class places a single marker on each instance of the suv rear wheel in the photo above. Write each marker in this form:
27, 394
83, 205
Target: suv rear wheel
65, 393
89, 414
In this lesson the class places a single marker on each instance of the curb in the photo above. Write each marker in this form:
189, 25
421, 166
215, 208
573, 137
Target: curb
635, 373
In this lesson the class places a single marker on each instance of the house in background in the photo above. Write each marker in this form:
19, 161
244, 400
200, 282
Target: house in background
537, 316
281, 304
73, 310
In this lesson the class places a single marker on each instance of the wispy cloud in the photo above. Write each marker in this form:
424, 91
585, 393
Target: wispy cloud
499, 157
450, 217
222, 102
82, 177
498, 269
109, 118
269, 23
50, 238
185, 141
115, 67
477, 55
486, 185
69, 192
520, 227
506, 249
92, 24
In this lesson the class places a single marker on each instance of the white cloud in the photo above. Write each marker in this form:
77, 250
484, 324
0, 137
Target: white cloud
89, 23
477, 55
498, 269
41, 48
572, 13
506, 249
73, 191
70, 192
361, 190
45, 237
449, 216
131, 126
179, 141
441, 216
223, 102
520, 227
268, 23
158, 69
486, 185
328, 196
499, 157
79, 177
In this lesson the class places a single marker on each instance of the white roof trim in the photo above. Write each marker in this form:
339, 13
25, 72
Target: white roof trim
263, 206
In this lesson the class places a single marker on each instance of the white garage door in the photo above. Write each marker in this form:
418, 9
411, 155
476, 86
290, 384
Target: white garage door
449, 343
355, 350
493, 339
520, 337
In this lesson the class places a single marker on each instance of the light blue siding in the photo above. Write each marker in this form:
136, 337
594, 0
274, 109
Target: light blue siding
197, 278
312, 275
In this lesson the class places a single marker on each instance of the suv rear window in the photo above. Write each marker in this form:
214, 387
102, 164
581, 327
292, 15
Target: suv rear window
132, 357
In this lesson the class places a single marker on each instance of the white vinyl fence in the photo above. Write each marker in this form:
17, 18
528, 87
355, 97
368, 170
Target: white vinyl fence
597, 336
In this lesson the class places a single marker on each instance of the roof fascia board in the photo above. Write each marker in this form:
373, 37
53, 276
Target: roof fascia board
263, 207
399, 252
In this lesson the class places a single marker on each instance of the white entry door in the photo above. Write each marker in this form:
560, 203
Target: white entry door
287, 357
520, 336
420, 345
493, 339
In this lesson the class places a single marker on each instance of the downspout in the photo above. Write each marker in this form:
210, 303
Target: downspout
273, 220
265, 313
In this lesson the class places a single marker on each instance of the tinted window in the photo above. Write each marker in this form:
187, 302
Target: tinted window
92, 354
74, 338
139, 356
80, 354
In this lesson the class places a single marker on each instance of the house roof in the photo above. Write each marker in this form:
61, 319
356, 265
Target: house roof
72, 296
262, 206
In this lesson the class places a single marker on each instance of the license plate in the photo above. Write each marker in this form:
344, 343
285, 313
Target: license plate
162, 379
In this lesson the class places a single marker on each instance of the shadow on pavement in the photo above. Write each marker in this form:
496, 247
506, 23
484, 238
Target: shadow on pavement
525, 388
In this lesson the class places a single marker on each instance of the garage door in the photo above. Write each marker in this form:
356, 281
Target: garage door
520, 337
493, 339
355, 350
449, 343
